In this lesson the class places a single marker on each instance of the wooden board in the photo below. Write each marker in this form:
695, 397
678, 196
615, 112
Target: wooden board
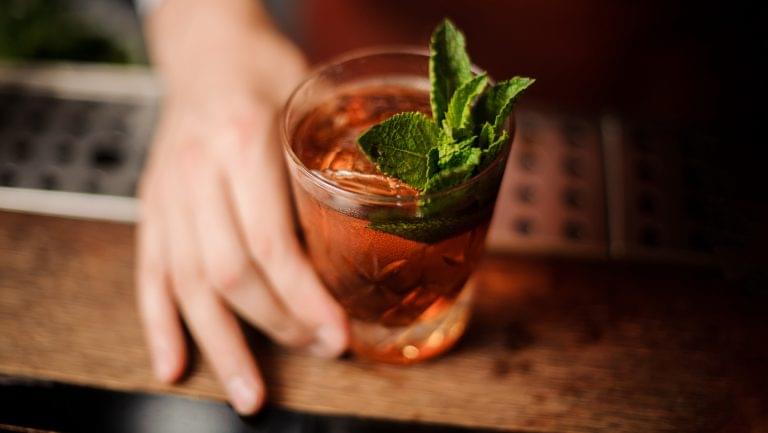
564, 347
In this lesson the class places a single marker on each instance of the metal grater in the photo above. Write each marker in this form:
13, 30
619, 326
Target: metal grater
552, 199
662, 185
73, 140
70, 150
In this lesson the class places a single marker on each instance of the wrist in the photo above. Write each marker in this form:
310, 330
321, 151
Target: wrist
205, 47
184, 33
164, 13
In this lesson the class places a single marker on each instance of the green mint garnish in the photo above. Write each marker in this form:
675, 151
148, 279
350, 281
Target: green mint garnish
462, 167
452, 153
490, 143
449, 67
400, 147
433, 229
464, 135
466, 128
458, 122
487, 135
496, 105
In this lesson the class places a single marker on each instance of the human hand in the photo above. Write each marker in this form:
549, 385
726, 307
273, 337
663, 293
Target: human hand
216, 236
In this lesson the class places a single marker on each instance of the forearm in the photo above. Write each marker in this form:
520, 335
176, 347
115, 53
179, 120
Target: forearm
174, 18
224, 41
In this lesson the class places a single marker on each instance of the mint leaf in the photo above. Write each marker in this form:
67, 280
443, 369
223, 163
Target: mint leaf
463, 164
487, 135
435, 228
449, 67
433, 162
451, 153
490, 144
458, 121
400, 147
489, 153
497, 103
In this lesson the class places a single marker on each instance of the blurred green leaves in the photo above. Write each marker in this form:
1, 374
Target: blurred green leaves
50, 30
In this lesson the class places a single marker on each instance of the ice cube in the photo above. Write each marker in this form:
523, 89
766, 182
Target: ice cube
368, 183
346, 159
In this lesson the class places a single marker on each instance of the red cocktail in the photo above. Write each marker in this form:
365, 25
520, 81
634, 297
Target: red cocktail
395, 259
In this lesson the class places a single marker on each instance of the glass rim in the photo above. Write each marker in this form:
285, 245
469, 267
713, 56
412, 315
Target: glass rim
324, 183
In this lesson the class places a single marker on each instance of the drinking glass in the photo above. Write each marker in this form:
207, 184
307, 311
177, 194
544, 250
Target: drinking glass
398, 262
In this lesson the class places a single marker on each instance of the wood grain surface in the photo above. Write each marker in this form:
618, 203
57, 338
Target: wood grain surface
553, 347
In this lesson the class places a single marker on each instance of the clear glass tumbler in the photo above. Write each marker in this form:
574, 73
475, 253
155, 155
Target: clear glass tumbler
396, 260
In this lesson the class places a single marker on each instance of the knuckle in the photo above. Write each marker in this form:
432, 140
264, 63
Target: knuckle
185, 280
243, 126
226, 275
181, 286
149, 264
191, 159
267, 247
263, 250
149, 273
252, 116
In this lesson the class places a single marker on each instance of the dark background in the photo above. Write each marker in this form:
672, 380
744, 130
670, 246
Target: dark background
694, 67
671, 60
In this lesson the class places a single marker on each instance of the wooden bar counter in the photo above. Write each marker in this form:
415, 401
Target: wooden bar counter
553, 347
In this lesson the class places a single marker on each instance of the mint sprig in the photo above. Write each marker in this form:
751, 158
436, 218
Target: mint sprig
465, 134
467, 122
400, 147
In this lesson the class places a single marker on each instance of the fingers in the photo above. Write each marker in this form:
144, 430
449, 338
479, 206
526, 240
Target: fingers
229, 268
222, 341
218, 237
212, 325
295, 278
261, 202
160, 319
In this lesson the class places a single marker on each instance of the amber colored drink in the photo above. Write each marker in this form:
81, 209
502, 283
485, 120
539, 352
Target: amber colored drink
404, 295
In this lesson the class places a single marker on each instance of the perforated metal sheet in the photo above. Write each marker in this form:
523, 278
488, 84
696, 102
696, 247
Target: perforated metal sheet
54, 143
553, 196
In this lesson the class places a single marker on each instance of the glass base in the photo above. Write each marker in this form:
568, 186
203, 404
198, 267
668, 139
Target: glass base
434, 332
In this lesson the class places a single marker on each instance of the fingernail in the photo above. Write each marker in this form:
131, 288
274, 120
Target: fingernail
162, 363
329, 341
243, 395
